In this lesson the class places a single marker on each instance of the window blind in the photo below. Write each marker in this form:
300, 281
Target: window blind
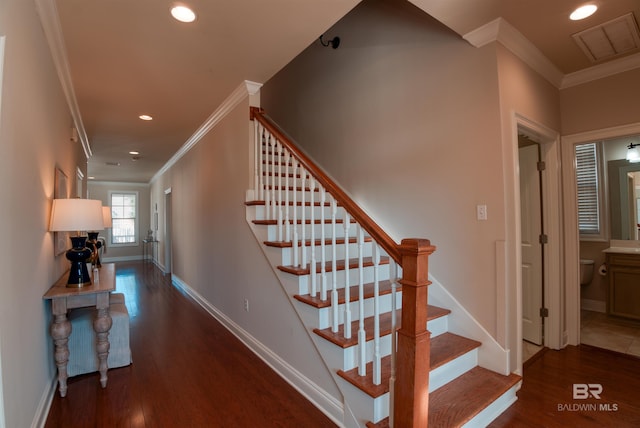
587, 179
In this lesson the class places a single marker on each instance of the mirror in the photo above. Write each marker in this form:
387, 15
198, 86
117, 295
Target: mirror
623, 180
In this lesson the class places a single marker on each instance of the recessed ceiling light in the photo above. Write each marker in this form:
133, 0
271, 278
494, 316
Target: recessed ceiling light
145, 117
91, 177
183, 13
134, 153
583, 12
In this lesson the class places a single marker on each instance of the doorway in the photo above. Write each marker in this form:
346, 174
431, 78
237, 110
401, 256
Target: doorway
168, 257
532, 240
552, 297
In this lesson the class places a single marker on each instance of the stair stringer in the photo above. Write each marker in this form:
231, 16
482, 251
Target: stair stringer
351, 418
491, 355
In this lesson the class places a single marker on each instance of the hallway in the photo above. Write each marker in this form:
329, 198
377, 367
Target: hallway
187, 371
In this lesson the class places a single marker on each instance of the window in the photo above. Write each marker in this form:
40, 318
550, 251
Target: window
589, 190
124, 213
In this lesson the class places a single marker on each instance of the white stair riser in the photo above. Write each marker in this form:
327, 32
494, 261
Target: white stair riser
363, 405
348, 358
287, 253
274, 209
451, 370
325, 315
272, 231
304, 281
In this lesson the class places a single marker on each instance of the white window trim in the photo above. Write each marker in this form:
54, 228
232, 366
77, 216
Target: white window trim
136, 243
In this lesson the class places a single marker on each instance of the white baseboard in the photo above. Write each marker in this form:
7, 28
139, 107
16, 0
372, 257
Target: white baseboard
325, 402
593, 305
120, 259
42, 412
491, 355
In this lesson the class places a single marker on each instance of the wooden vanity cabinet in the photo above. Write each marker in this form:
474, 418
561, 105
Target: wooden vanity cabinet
624, 285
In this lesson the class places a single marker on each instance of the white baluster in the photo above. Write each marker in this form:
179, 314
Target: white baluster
274, 142
268, 178
362, 335
303, 218
294, 244
393, 276
323, 257
256, 158
287, 223
334, 268
279, 192
313, 269
347, 293
377, 359
261, 157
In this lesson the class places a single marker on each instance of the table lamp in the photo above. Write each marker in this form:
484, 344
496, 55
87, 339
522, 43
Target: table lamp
69, 215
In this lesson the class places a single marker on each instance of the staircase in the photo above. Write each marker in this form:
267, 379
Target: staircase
343, 276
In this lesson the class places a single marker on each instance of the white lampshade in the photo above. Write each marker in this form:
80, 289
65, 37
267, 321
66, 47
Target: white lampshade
68, 215
633, 153
106, 217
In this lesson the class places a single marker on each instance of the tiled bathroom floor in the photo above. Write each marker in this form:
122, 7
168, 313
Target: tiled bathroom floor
615, 334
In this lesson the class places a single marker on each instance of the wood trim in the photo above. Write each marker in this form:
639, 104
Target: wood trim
372, 228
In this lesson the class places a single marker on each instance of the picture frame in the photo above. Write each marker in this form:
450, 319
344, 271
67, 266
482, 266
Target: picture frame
60, 191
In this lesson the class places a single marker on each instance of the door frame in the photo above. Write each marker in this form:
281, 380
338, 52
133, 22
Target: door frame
570, 205
549, 140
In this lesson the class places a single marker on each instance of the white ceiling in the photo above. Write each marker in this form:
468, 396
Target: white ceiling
119, 59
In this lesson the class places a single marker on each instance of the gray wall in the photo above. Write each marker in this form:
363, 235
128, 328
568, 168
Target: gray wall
34, 139
416, 124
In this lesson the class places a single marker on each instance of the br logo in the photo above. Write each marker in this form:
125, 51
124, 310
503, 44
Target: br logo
582, 391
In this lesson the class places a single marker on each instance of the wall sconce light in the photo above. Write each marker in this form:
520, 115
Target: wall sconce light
633, 154
334, 43
68, 215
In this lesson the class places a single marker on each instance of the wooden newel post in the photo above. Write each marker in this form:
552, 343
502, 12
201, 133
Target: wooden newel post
411, 400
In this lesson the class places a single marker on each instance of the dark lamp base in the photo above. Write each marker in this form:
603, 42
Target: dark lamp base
78, 255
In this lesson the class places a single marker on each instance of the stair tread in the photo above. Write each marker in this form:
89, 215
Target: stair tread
444, 348
318, 242
328, 266
457, 402
338, 338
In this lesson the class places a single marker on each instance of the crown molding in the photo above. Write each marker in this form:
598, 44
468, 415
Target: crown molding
49, 18
600, 71
245, 89
499, 30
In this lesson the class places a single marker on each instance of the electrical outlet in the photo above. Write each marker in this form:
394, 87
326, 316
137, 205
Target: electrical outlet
246, 305
481, 212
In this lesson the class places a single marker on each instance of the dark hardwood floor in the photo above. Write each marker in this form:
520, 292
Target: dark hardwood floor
187, 371
546, 397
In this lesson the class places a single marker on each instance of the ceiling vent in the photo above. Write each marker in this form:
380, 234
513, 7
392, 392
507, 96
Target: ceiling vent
605, 41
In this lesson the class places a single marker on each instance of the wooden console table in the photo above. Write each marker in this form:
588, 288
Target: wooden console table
63, 299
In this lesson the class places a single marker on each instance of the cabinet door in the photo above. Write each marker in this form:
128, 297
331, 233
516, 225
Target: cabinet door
624, 291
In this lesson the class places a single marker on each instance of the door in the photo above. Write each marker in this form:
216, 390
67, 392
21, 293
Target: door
531, 230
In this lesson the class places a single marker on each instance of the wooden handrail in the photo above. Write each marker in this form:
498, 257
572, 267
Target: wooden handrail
372, 228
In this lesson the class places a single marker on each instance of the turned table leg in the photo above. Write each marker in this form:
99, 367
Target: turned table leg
60, 331
102, 325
